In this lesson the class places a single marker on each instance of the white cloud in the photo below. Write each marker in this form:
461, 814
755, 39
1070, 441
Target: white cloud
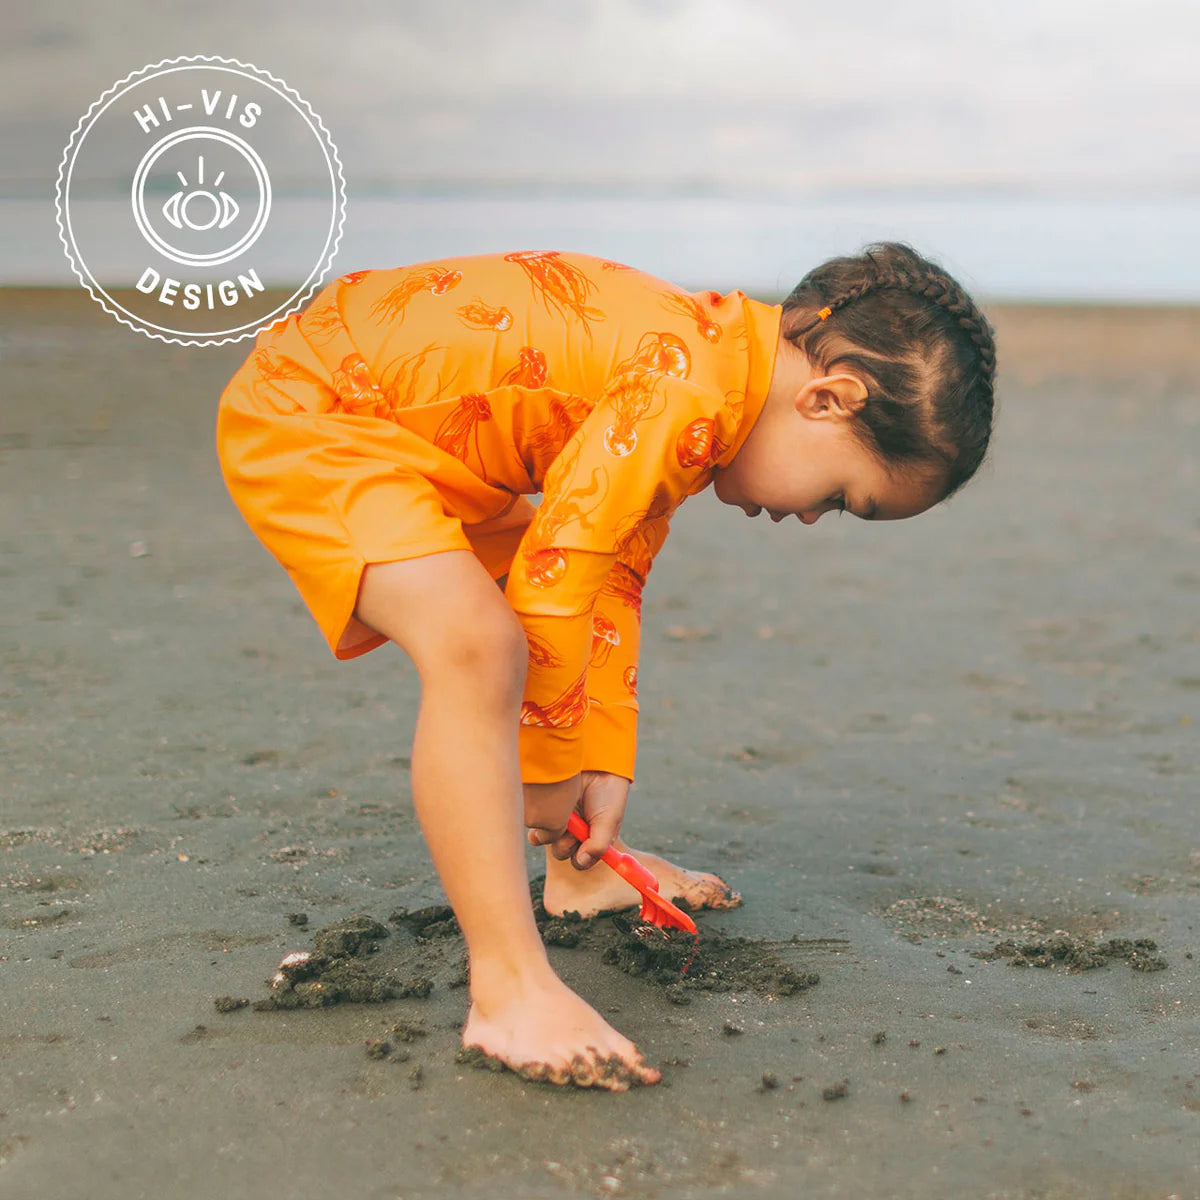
736, 90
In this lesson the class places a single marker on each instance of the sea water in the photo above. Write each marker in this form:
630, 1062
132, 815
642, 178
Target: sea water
1004, 247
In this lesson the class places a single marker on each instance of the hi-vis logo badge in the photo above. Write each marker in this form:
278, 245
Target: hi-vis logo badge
201, 200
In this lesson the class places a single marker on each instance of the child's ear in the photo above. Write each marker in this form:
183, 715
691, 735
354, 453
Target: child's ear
839, 396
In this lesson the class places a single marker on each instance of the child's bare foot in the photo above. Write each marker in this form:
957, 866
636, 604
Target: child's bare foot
600, 890
547, 1033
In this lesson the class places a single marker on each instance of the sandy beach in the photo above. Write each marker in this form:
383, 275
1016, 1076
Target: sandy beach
948, 762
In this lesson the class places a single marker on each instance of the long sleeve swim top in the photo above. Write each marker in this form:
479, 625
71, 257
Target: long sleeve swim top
611, 393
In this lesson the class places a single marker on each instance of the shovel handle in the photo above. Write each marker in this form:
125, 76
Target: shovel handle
625, 865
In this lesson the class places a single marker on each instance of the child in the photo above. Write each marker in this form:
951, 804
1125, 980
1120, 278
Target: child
382, 443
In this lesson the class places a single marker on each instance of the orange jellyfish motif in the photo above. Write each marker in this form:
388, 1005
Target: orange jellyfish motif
544, 568
632, 389
698, 444
478, 315
461, 427
563, 711
273, 369
736, 403
638, 552
541, 652
631, 396
322, 322
691, 308
659, 354
626, 586
357, 392
604, 637
607, 264
354, 277
544, 442
563, 502
401, 380
639, 534
561, 286
629, 677
529, 371
389, 308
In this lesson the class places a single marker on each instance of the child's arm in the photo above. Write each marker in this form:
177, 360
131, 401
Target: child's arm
610, 491
610, 727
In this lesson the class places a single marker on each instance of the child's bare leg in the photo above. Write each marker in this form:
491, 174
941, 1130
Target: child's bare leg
599, 890
447, 615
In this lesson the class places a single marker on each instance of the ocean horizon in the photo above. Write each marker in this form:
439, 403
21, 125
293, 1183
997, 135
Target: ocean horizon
1022, 247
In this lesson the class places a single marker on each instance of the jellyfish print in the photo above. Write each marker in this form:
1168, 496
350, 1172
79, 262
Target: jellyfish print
461, 428
356, 390
322, 322
405, 380
630, 678
659, 354
631, 396
529, 371
543, 443
605, 637
389, 308
561, 286
691, 308
541, 652
273, 370
478, 315
632, 389
698, 444
565, 710
625, 585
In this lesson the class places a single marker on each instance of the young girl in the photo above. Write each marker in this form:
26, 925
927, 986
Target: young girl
382, 443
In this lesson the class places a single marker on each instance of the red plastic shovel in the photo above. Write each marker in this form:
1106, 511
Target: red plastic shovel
655, 909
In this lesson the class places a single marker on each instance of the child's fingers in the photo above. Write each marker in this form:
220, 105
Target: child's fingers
561, 844
547, 837
604, 828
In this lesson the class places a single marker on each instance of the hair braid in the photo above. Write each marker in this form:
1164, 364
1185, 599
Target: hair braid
925, 351
933, 285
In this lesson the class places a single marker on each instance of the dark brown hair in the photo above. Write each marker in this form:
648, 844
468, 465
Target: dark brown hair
916, 339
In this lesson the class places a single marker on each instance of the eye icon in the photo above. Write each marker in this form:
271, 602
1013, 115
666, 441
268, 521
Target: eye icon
218, 196
190, 207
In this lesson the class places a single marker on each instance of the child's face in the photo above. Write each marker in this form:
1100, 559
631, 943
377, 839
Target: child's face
802, 459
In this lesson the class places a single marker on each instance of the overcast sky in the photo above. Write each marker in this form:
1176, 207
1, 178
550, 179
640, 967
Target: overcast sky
1077, 97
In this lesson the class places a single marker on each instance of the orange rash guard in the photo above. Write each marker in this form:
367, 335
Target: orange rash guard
411, 410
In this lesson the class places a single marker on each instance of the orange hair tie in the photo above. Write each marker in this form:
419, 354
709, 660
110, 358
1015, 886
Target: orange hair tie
825, 312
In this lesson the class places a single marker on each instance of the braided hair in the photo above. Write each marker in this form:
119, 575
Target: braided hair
925, 352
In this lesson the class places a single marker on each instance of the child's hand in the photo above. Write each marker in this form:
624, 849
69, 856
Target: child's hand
547, 807
602, 806
600, 799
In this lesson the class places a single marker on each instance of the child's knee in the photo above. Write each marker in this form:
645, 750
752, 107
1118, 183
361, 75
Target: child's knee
446, 614
490, 647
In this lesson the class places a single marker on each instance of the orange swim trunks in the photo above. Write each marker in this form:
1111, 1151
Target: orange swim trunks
328, 491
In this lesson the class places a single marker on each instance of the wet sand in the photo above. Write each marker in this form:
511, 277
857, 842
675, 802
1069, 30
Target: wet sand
924, 752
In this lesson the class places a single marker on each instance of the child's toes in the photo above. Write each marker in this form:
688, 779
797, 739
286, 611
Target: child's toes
716, 893
538, 1072
583, 1069
646, 1074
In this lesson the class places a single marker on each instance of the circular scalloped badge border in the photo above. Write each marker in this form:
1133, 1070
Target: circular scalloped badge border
177, 215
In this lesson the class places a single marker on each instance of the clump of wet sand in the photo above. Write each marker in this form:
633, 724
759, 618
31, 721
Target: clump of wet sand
362, 960
341, 968
1024, 942
1076, 954
678, 962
